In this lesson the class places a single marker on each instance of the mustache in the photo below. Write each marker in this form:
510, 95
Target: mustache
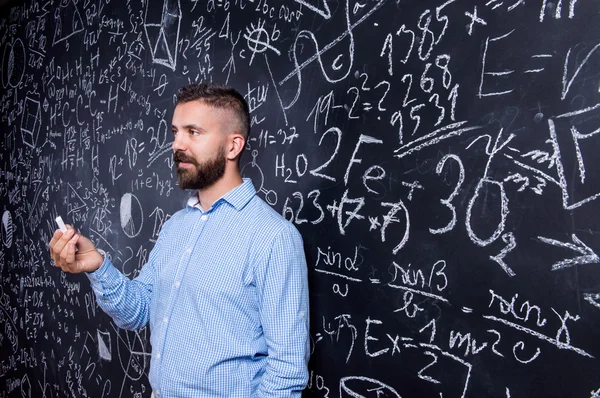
179, 157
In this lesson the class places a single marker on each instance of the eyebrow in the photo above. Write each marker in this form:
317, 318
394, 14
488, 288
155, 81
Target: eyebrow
189, 127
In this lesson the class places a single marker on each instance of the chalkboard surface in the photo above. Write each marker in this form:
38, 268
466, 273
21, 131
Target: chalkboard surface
440, 159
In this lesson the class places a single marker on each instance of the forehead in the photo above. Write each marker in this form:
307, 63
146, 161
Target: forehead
198, 113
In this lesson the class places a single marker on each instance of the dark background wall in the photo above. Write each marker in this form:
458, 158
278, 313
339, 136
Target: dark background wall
440, 159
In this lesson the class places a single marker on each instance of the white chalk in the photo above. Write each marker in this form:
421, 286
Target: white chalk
61, 224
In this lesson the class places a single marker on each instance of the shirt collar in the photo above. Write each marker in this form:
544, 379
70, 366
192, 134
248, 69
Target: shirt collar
238, 197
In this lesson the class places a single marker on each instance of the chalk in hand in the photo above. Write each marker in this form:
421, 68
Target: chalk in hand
61, 224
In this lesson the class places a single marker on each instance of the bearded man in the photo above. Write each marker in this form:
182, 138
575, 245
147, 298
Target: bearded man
225, 290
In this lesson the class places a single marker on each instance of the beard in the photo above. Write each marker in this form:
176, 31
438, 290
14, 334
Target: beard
201, 175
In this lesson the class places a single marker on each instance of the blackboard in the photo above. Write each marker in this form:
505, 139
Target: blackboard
440, 159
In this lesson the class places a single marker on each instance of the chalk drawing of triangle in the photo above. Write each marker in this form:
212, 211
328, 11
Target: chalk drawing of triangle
162, 53
74, 201
162, 25
563, 182
319, 6
68, 21
25, 387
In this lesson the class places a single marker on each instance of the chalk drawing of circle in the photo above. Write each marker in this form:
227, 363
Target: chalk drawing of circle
258, 40
5, 64
133, 357
360, 386
7, 229
131, 214
252, 170
13, 64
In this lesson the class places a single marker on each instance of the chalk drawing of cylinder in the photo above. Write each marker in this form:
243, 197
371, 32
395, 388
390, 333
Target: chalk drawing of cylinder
161, 23
30, 122
13, 64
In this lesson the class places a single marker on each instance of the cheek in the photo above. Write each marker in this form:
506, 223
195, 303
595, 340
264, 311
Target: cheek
195, 151
204, 149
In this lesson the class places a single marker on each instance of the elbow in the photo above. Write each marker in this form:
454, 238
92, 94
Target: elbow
129, 324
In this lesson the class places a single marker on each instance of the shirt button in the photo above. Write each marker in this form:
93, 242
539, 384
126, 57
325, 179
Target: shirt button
166, 319
157, 357
157, 393
301, 314
176, 284
204, 217
188, 251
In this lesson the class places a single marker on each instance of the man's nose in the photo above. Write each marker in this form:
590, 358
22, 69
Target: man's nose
179, 142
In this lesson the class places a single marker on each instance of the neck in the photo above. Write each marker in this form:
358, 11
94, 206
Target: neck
208, 196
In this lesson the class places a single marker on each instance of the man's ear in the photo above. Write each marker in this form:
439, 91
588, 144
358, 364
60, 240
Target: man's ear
236, 145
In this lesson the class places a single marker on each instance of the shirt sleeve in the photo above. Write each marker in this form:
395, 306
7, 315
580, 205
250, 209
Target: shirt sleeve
282, 284
125, 300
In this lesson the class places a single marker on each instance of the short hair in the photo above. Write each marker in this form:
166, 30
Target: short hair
219, 96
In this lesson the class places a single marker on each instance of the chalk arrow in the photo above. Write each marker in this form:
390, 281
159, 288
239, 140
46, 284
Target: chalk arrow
231, 65
588, 255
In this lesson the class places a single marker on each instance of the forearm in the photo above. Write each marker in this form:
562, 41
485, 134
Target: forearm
284, 310
126, 301
286, 373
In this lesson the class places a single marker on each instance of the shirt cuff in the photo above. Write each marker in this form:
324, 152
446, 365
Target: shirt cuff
105, 273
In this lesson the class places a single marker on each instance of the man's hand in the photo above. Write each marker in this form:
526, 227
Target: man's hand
62, 251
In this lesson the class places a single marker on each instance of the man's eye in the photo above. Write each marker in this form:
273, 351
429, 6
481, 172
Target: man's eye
194, 132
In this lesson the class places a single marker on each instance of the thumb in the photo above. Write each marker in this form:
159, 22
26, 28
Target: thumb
87, 259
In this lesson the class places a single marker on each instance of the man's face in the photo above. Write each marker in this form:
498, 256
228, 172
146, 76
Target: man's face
198, 145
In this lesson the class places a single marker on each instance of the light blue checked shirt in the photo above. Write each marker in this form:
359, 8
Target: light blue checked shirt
226, 295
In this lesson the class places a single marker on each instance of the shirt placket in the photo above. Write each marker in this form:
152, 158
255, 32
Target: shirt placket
197, 218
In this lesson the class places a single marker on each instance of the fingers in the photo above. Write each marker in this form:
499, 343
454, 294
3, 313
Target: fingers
57, 234
60, 242
60, 247
67, 256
